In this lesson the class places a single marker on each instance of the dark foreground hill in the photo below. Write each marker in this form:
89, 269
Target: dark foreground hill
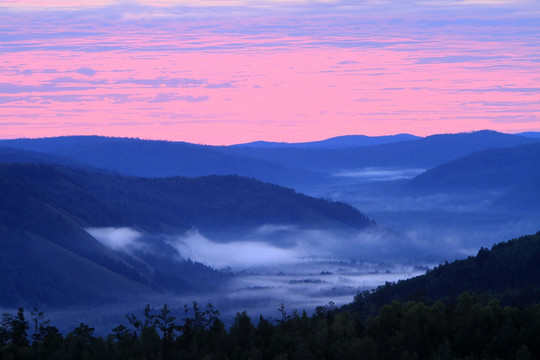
510, 272
49, 257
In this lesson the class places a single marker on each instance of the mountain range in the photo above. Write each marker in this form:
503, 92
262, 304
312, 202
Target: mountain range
293, 166
338, 142
58, 193
418, 153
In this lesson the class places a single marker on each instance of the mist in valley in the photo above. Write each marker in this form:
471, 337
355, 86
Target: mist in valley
303, 268
443, 225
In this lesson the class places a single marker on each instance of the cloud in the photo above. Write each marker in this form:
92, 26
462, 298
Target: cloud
507, 89
115, 98
116, 238
164, 81
7, 88
224, 85
240, 254
453, 59
86, 71
70, 80
161, 97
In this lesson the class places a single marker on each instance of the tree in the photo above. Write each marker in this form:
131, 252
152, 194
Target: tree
167, 327
14, 329
80, 342
40, 325
242, 331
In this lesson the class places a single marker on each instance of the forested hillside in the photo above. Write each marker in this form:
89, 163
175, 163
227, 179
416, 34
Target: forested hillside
510, 272
428, 317
48, 256
213, 202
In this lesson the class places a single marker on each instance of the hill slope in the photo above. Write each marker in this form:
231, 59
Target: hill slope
489, 169
532, 134
49, 257
509, 271
212, 202
511, 174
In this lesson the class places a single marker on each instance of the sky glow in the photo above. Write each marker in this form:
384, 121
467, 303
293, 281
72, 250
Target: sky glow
223, 72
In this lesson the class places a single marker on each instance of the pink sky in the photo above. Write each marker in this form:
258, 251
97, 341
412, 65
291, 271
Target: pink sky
278, 71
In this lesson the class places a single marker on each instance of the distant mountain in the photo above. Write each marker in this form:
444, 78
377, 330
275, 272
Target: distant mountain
149, 158
513, 173
287, 166
510, 271
420, 153
489, 169
531, 134
339, 142
14, 155
46, 249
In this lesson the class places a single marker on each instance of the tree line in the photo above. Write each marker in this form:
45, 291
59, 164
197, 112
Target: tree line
471, 328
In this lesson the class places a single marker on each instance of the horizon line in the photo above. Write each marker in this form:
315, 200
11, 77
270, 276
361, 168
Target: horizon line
266, 141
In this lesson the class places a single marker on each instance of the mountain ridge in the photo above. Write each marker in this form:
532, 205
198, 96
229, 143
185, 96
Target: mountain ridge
420, 153
337, 142
292, 167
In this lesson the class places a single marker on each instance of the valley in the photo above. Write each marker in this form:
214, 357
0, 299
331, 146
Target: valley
161, 228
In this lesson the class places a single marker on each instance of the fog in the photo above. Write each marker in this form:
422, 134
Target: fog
269, 265
442, 226
271, 245
305, 267
122, 238
260, 291
379, 173
235, 254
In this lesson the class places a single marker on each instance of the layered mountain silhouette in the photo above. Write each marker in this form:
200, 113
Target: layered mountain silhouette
512, 174
150, 158
532, 134
293, 165
55, 190
49, 256
419, 153
338, 142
